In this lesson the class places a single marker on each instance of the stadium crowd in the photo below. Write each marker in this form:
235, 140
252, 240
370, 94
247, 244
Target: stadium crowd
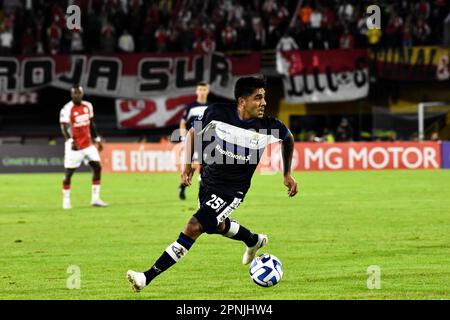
201, 26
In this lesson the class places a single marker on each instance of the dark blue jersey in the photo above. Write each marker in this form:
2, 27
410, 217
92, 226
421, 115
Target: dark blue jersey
232, 148
193, 110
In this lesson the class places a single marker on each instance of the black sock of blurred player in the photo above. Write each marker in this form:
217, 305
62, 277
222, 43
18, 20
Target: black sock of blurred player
172, 255
235, 231
182, 192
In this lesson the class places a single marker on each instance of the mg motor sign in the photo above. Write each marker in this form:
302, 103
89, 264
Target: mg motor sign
167, 157
373, 156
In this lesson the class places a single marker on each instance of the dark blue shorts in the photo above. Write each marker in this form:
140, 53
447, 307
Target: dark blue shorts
215, 207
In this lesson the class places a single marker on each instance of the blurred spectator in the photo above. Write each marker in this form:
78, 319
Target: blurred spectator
346, 11
287, 43
328, 25
39, 33
229, 36
28, 43
423, 9
76, 41
347, 40
344, 131
434, 136
259, 40
305, 14
174, 42
310, 136
421, 32
394, 30
187, 38
327, 136
126, 42
407, 33
197, 46
6, 41
315, 19
317, 42
108, 38
209, 44
54, 34
162, 38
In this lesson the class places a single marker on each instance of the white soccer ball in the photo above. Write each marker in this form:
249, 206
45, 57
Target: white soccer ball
266, 270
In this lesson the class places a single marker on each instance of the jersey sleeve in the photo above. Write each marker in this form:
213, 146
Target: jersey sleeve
91, 109
279, 130
186, 113
207, 116
64, 115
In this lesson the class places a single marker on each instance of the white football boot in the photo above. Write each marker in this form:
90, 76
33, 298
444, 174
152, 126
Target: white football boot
98, 203
250, 253
137, 280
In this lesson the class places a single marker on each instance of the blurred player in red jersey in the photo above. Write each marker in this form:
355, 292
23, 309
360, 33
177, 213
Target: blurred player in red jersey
77, 122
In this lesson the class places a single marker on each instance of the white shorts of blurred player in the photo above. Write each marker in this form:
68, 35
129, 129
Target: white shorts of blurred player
197, 161
74, 158
195, 157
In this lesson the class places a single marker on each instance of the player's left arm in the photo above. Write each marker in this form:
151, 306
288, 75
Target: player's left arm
188, 169
97, 138
287, 151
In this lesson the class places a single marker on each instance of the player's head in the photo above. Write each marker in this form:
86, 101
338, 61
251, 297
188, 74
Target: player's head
202, 91
77, 93
250, 95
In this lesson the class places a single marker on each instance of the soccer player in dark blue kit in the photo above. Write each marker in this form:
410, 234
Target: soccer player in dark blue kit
193, 110
233, 138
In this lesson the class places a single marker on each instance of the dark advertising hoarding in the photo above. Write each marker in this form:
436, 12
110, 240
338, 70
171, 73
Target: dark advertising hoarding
32, 158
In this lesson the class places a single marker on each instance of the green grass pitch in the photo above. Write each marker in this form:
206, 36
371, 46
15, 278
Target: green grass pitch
340, 224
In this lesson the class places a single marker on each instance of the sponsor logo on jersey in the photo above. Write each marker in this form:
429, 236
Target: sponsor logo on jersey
232, 155
81, 120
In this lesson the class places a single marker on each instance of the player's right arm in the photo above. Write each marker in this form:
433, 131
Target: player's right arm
188, 169
67, 137
64, 120
183, 131
65, 131
183, 123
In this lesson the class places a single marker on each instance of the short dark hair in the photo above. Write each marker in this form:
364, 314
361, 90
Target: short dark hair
202, 84
245, 86
76, 86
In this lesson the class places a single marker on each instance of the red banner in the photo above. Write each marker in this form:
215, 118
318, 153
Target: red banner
128, 76
324, 75
159, 112
165, 157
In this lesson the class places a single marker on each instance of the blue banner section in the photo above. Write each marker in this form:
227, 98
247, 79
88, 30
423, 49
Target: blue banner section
445, 154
